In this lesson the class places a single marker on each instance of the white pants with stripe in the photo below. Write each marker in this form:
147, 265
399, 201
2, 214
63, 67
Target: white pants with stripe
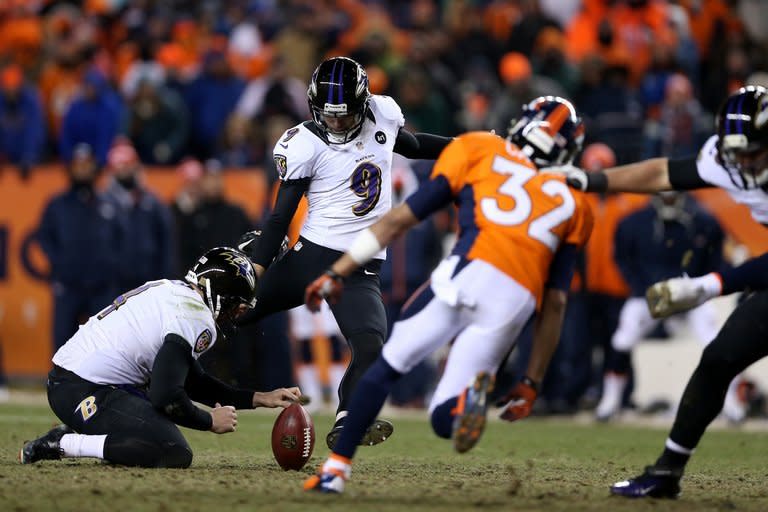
481, 309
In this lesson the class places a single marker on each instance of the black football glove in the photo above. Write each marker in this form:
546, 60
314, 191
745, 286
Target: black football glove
248, 243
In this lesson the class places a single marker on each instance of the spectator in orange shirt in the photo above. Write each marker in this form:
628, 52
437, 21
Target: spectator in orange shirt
21, 35
636, 25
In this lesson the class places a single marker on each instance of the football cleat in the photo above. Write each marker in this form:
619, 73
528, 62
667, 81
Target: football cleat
679, 294
377, 433
329, 482
45, 447
655, 482
469, 423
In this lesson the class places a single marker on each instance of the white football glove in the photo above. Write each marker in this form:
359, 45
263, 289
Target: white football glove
679, 294
574, 177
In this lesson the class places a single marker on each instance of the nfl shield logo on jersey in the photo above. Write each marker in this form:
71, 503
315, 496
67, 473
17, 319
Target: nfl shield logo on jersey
203, 342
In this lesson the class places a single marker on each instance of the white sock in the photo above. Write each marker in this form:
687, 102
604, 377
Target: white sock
712, 284
82, 445
671, 445
338, 463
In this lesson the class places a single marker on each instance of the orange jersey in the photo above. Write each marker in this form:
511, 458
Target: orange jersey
510, 215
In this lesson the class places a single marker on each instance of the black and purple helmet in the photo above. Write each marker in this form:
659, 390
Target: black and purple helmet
742, 129
339, 89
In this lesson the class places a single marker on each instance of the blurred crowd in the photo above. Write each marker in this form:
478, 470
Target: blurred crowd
126, 83
214, 78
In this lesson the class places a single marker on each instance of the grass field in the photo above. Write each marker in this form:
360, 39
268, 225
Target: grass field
538, 465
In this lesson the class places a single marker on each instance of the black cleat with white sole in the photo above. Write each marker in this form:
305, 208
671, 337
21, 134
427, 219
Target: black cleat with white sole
45, 447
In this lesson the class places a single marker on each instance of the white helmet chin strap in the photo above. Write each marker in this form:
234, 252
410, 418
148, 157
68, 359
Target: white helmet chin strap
215, 308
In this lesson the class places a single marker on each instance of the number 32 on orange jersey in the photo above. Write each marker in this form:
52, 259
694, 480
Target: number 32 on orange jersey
540, 227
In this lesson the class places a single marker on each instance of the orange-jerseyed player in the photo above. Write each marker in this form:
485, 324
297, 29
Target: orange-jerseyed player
519, 231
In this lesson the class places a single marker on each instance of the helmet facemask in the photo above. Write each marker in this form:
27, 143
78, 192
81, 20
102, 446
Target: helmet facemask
750, 163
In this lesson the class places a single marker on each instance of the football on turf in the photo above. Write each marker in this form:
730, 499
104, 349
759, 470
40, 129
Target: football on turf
293, 437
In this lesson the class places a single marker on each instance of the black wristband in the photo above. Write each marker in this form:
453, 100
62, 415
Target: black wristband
530, 383
597, 182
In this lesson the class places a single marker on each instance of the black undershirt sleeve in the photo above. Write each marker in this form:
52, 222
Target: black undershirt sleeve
684, 175
208, 390
562, 267
430, 197
288, 197
166, 389
420, 146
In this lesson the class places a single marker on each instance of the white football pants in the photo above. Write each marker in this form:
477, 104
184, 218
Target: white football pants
480, 307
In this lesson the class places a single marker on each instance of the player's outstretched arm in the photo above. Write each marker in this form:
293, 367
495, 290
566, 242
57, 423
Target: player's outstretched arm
645, 177
425, 146
648, 176
367, 245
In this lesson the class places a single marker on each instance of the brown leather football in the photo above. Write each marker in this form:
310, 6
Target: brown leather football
293, 437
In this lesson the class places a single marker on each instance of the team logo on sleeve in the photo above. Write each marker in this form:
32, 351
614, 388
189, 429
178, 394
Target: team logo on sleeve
289, 134
203, 341
281, 164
